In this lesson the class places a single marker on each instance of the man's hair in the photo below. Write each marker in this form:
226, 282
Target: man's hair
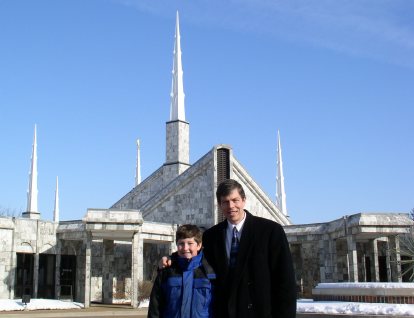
226, 187
188, 231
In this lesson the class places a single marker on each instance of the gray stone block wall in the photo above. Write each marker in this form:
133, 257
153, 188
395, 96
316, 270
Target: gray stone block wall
25, 237
114, 267
191, 201
142, 193
6, 266
255, 206
47, 237
257, 201
122, 265
152, 255
177, 146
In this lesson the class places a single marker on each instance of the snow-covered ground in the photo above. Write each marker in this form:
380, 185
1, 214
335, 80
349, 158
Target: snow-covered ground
36, 304
366, 285
304, 306
348, 308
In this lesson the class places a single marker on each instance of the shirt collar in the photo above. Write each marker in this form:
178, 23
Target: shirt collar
238, 226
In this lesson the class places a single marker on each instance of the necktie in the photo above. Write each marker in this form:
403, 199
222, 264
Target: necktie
234, 248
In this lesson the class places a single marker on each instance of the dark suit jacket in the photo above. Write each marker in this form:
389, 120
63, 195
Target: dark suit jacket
263, 283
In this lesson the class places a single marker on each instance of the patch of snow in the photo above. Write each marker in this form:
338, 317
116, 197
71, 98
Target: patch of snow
303, 306
9, 305
144, 303
36, 304
350, 308
366, 285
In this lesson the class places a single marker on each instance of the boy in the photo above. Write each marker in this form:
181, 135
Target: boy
185, 289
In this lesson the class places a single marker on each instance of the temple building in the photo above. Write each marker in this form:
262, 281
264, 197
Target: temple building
106, 256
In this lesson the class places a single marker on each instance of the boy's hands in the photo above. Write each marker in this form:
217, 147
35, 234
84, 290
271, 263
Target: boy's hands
164, 262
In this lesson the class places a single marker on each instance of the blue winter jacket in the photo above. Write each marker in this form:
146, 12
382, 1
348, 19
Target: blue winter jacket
183, 290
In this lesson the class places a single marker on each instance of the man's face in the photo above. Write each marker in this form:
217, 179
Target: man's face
232, 207
188, 248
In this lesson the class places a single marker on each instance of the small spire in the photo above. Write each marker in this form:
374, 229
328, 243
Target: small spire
280, 180
138, 165
56, 210
177, 110
32, 192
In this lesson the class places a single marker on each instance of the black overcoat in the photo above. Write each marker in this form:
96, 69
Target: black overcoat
263, 283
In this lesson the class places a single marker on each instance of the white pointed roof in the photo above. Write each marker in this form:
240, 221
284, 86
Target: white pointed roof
177, 110
138, 165
32, 192
56, 210
280, 180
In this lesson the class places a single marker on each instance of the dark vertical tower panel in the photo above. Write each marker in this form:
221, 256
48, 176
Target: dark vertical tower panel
23, 284
68, 277
223, 171
46, 282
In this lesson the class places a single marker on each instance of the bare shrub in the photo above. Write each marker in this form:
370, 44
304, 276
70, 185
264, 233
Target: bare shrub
407, 254
144, 290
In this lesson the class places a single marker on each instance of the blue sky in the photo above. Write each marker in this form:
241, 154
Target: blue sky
335, 77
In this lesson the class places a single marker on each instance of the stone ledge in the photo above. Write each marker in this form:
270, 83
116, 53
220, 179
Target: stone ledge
393, 293
366, 299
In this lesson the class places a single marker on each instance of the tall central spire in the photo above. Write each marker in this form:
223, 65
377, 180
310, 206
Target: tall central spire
177, 128
177, 111
280, 180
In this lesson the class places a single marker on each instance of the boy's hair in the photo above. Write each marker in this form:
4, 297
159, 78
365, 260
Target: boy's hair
226, 187
188, 231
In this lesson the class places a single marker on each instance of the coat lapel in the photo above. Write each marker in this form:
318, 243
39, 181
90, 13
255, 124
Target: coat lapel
246, 244
221, 248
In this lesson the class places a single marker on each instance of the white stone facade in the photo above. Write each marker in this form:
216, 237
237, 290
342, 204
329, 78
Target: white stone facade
357, 248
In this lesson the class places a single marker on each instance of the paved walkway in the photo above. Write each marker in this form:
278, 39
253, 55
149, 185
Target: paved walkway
122, 311
119, 311
107, 311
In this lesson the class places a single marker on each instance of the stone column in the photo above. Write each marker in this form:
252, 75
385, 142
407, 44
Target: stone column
364, 268
352, 258
35, 274
136, 260
36, 262
13, 262
375, 263
12, 274
326, 260
388, 260
107, 271
396, 259
173, 246
332, 247
57, 268
88, 259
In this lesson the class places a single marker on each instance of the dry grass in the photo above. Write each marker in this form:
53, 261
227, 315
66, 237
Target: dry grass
144, 289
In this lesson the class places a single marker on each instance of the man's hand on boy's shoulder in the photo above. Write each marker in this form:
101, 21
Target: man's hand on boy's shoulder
164, 262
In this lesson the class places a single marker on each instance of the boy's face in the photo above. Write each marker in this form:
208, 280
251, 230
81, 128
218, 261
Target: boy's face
188, 248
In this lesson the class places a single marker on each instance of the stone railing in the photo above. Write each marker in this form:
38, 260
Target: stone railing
395, 293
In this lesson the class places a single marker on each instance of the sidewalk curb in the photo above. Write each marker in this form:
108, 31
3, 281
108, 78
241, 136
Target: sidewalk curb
141, 312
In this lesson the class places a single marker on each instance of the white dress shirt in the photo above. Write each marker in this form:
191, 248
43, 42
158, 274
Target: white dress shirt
229, 233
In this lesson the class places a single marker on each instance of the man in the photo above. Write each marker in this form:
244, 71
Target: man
253, 265
261, 281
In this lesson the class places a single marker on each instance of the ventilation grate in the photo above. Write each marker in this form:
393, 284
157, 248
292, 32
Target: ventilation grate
223, 171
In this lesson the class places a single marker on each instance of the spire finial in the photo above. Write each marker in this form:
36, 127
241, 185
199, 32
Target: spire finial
177, 110
280, 180
138, 165
32, 192
56, 210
